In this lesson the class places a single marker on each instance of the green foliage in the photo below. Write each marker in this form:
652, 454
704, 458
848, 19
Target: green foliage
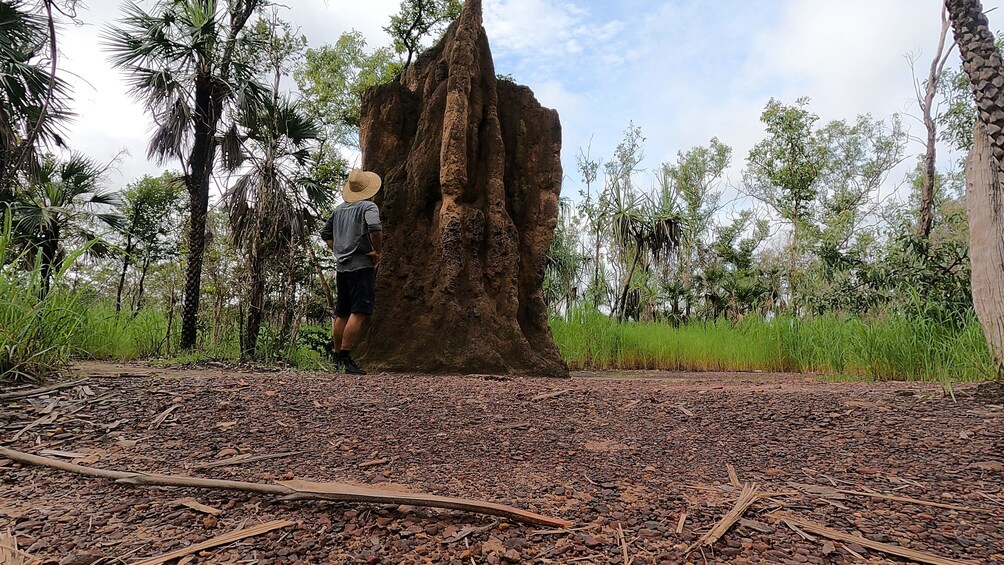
418, 20
34, 104
333, 78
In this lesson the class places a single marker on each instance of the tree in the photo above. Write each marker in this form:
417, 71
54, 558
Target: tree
417, 20
180, 61
149, 207
65, 202
693, 183
783, 169
272, 204
33, 100
332, 79
981, 60
925, 99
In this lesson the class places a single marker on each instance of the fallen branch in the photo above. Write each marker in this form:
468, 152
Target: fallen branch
914, 501
837, 535
238, 459
298, 490
746, 499
41, 390
218, 541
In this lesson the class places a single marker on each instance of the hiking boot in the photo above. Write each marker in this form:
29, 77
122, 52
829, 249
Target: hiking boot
349, 367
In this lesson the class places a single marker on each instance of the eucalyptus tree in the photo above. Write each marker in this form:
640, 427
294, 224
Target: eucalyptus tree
151, 207
783, 170
179, 59
332, 79
418, 20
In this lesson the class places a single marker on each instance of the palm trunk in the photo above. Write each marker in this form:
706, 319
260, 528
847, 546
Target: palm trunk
982, 62
256, 302
627, 284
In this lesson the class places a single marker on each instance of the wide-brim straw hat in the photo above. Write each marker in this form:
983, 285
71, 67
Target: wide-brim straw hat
360, 186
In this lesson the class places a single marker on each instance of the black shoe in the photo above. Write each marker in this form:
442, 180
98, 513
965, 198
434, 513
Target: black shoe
349, 367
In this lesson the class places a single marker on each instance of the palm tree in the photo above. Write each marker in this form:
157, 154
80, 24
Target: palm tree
65, 202
984, 169
272, 205
33, 100
180, 60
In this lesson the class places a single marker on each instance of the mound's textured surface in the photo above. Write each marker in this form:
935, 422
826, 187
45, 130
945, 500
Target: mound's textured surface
472, 172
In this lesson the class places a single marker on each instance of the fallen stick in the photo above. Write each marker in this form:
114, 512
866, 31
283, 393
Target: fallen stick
679, 525
298, 490
746, 499
41, 421
41, 390
374, 462
914, 501
195, 505
162, 417
218, 541
238, 459
837, 535
548, 395
733, 476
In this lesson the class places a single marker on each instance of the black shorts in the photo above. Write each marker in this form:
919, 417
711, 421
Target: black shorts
356, 292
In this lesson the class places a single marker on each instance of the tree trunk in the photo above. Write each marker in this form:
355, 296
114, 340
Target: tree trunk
139, 290
256, 303
986, 242
925, 219
627, 284
127, 255
982, 62
197, 181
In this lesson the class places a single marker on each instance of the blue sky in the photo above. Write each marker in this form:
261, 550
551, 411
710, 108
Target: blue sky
682, 70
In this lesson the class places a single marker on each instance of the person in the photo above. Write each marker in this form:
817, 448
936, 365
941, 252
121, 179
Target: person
354, 235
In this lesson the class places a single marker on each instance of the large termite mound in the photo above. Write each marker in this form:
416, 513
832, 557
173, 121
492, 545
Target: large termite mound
471, 173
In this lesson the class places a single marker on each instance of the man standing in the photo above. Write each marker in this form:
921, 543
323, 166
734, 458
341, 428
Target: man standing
353, 233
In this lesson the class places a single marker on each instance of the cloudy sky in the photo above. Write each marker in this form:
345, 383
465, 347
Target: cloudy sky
682, 70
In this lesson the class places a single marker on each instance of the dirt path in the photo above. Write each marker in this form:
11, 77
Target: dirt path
635, 452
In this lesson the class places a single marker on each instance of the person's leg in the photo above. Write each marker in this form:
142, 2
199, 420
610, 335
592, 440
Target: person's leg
350, 331
338, 324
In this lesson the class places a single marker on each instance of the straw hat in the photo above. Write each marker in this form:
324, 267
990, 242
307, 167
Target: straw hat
360, 186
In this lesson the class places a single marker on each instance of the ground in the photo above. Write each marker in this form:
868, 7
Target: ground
631, 452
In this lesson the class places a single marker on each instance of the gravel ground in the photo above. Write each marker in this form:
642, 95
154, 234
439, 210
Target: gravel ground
611, 453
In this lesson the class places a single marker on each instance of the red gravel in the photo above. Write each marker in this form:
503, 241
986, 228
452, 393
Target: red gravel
612, 451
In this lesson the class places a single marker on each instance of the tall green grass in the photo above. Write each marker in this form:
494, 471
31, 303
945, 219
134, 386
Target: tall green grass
890, 348
36, 328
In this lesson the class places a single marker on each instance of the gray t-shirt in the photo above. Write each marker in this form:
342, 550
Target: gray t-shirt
350, 226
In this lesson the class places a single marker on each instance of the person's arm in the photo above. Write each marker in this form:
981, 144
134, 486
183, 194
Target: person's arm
375, 229
327, 232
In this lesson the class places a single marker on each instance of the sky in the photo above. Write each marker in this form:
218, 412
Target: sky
683, 71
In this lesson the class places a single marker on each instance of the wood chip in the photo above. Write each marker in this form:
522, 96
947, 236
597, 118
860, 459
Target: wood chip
679, 525
190, 502
218, 541
374, 462
519, 426
683, 409
758, 526
819, 529
548, 395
